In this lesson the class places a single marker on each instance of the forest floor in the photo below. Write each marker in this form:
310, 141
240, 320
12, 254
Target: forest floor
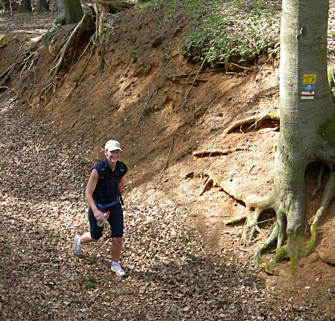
183, 261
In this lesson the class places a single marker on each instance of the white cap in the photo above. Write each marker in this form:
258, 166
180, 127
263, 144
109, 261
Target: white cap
112, 145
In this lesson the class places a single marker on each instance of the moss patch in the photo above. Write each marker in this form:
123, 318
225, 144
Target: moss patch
327, 130
281, 255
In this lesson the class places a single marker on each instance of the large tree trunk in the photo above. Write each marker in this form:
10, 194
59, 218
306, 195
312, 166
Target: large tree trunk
69, 11
307, 127
305, 107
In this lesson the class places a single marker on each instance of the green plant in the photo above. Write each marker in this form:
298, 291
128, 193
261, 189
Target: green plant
7, 250
89, 282
281, 255
236, 34
92, 261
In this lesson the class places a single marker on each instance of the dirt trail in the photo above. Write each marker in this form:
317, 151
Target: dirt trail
183, 262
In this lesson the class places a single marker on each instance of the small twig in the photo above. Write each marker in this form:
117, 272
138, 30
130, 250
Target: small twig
330, 294
81, 55
208, 182
251, 168
154, 92
242, 67
168, 157
50, 84
235, 220
255, 240
269, 219
189, 90
26, 60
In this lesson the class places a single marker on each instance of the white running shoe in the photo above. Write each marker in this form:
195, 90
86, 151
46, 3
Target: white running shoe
115, 267
77, 245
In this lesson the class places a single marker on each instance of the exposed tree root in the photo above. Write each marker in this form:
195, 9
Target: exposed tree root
316, 190
327, 197
255, 206
86, 25
78, 80
7, 71
4, 77
236, 220
255, 121
215, 152
267, 92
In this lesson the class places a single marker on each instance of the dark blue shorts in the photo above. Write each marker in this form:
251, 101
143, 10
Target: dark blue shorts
115, 221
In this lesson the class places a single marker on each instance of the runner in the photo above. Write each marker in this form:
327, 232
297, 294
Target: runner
103, 194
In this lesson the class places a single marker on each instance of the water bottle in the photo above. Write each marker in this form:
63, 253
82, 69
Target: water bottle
106, 215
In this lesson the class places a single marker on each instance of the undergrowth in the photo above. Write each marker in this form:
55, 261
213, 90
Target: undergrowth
223, 31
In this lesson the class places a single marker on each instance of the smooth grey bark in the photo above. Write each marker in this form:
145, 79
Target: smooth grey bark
303, 52
306, 125
69, 11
